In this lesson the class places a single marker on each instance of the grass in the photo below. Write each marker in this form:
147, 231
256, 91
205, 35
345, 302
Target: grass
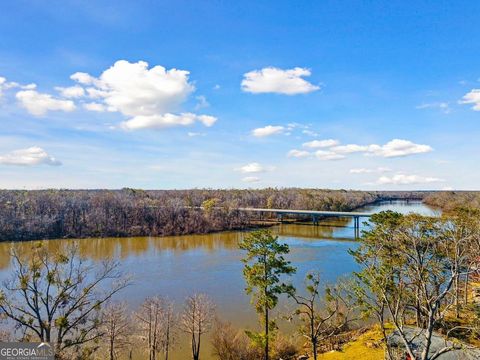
365, 347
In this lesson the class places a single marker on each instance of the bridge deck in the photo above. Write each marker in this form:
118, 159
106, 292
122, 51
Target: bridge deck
309, 212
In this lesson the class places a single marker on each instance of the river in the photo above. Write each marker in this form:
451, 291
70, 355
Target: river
182, 265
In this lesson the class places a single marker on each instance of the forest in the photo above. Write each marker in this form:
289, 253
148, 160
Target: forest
53, 214
451, 200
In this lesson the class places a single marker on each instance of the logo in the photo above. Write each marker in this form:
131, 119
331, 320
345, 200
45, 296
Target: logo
26, 351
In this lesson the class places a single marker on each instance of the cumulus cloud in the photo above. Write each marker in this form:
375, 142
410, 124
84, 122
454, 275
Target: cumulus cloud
148, 96
315, 144
404, 179
330, 150
393, 148
39, 104
71, 92
350, 149
165, 120
472, 97
298, 153
251, 179
275, 80
83, 78
134, 89
28, 157
398, 148
267, 131
254, 167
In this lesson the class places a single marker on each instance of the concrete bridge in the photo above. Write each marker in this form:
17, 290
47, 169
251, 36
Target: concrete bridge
314, 214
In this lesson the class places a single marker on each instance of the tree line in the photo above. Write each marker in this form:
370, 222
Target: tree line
452, 200
48, 214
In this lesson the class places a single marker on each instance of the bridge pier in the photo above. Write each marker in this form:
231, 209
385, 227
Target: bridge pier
356, 225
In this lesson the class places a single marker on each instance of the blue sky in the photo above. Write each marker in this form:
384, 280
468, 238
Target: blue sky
221, 94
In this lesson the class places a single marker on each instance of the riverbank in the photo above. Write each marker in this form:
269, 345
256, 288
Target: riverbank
47, 214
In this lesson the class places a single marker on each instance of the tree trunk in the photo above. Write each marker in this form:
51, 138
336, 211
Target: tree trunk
112, 357
266, 333
457, 295
465, 289
167, 341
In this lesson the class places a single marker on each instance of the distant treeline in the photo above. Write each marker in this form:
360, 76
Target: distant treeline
46, 214
451, 200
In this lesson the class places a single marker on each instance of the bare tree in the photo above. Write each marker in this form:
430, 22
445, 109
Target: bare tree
58, 297
116, 328
321, 321
197, 318
149, 318
169, 322
157, 323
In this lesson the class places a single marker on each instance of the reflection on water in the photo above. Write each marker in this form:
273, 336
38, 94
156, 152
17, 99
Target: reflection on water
177, 266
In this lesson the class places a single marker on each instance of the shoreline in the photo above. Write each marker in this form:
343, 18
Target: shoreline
235, 229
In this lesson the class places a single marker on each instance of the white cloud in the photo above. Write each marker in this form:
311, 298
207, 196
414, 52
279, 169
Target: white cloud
4, 85
369, 171
443, 106
71, 92
275, 80
472, 97
207, 120
298, 153
328, 155
251, 179
165, 120
93, 106
39, 104
394, 148
254, 167
83, 78
398, 148
267, 131
349, 149
403, 179
315, 144
149, 97
135, 90
27, 157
